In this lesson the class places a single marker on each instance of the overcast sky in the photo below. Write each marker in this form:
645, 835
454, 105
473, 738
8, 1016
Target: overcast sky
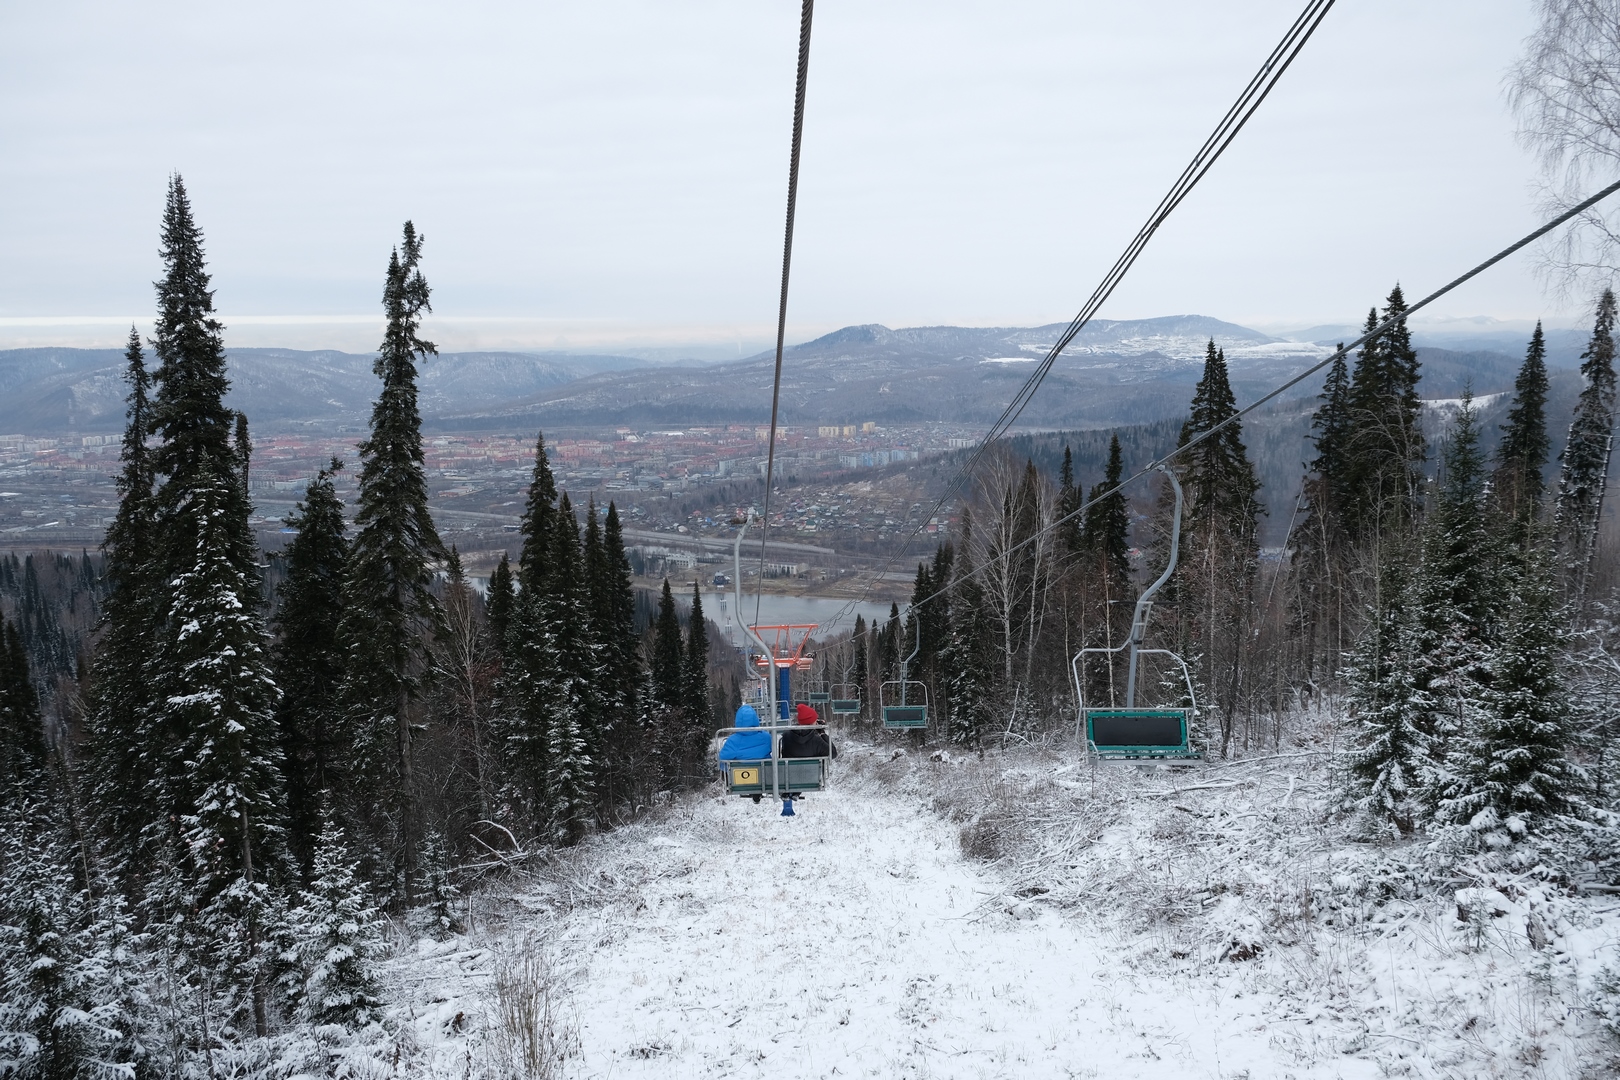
613, 172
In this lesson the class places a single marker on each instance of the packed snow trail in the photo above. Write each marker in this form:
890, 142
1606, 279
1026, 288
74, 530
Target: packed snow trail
854, 939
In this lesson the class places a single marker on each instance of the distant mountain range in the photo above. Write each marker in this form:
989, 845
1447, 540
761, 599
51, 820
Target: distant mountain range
1113, 372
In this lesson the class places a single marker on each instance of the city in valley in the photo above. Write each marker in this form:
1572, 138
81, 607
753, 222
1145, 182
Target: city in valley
849, 493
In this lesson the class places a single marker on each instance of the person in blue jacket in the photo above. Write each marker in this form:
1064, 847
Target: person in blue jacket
746, 745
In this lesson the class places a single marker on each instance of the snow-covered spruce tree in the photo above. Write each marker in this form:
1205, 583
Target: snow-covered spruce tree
338, 941
568, 691
1385, 447
1508, 773
1586, 455
118, 698
1389, 711
613, 626
1455, 613
389, 608
218, 698
439, 888
968, 658
308, 659
521, 720
62, 993
206, 751
1517, 483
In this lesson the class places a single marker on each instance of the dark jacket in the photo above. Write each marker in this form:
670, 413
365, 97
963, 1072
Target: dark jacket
802, 742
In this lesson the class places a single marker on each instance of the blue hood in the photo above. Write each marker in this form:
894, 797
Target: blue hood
746, 745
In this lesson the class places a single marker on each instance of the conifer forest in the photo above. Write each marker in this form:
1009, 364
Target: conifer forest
345, 809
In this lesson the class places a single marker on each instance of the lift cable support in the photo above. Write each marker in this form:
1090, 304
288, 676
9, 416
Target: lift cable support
787, 265
1340, 352
1244, 108
1132, 733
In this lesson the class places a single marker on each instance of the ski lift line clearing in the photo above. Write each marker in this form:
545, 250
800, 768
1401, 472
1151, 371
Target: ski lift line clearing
1132, 734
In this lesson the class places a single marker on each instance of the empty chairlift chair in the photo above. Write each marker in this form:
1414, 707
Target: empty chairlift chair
905, 701
1143, 736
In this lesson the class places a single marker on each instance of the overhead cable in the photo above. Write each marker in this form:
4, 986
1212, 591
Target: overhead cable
1258, 88
1341, 351
787, 264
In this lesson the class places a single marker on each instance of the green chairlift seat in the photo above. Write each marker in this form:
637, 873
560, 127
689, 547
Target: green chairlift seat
1139, 735
788, 776
905, 706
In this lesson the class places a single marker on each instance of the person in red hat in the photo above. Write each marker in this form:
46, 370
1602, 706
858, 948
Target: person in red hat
804, 741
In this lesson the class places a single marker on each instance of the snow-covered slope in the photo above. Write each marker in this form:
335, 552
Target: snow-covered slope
1015, 917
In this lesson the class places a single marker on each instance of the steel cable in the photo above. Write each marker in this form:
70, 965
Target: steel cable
1253, 95
787, 264
1342, 350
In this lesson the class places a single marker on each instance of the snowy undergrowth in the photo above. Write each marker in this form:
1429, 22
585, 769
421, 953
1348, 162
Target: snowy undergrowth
1237, 875
1015, 914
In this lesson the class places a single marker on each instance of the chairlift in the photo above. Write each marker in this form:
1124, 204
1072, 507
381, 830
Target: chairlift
775, 662
904, 701
846, 696
1132, 734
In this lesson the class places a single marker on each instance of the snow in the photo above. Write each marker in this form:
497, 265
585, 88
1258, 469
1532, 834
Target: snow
1203, 924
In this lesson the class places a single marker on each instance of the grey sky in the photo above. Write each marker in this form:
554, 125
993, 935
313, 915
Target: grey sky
613, 172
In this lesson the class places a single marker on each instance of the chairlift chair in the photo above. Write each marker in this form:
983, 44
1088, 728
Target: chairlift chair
904, 701
1132, 734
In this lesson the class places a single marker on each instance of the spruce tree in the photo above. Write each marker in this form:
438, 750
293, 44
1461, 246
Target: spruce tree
1217, 472
1522, 453
498, 605
695, 693
668, 662
1321, 556
1384, 475
389, 608
118, 695
1220, 541
308, 658
1332, 427
890, 647
24, 758
1508, 772
1586, 456
338, 937
1072, 537
860, 641
569, 696
968, 659
537, 518
217, 701
54, 1021
1390, 756
1108, 524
